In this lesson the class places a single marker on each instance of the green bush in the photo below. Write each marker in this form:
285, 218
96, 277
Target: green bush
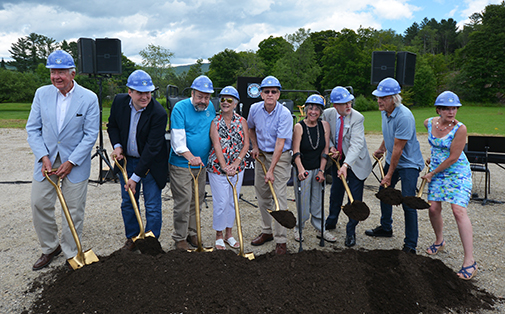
361, 103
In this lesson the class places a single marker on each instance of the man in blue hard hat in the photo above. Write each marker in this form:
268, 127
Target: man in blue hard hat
403, 160
271, 131
190, 145
62, 129
137, 125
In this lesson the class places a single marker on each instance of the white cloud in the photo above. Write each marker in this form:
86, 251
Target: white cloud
393, 9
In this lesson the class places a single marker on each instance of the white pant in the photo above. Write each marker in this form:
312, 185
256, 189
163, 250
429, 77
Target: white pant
222, 198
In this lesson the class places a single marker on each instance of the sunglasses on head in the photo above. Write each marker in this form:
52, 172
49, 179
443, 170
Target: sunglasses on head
228, 100
273, 91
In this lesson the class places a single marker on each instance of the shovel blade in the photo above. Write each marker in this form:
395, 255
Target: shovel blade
80, 260
284, 217
142, 236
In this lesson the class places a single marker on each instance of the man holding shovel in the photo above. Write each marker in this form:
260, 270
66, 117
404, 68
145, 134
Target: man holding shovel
62, 130
271, 130
403, 160
136, 128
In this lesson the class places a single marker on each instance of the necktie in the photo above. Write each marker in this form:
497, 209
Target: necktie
340, 134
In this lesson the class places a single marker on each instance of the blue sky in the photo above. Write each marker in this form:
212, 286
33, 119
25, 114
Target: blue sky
195, 29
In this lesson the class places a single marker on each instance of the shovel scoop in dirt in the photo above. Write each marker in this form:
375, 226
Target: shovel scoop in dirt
388, 195
145, 241
82, 258
283, 217
355, 209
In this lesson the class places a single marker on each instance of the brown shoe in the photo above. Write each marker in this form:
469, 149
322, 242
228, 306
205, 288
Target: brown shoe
45, 259
262, 238
281, 249
129, 245
182, 245
192, 240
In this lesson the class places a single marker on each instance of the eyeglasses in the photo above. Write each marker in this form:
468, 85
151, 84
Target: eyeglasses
228, 100
383, 97
202, 97
268, 91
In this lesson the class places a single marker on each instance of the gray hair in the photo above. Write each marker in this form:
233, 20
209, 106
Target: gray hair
397, 99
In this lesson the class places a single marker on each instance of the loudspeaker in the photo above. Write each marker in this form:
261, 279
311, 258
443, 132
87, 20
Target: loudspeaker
86, 56
249, 91
108, 56
383, 65
405, 68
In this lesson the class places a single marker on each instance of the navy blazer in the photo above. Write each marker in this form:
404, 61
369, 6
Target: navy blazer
150, 136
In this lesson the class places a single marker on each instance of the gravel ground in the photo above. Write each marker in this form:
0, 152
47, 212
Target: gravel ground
104, 233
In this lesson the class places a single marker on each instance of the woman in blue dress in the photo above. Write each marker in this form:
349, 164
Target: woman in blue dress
450, 178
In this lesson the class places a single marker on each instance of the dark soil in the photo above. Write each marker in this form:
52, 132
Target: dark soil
284, 218
357, 210
149, 246
415, 202
348, 281
390, 196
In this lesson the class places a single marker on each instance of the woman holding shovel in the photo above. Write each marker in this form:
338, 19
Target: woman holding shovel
229, 134
311, 138
450, 178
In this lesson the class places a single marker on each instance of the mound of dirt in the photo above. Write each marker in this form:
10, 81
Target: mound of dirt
348, 281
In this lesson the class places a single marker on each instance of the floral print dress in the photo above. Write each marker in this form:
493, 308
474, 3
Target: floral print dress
454, 184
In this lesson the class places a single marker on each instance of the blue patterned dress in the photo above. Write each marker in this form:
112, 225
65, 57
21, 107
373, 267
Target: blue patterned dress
454, 184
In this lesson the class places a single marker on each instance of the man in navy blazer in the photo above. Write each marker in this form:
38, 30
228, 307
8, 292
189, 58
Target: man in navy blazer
62, 129
136, 128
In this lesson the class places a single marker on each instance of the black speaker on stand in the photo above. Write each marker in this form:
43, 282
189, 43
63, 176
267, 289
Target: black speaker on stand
383, 65
405, 68
100, 58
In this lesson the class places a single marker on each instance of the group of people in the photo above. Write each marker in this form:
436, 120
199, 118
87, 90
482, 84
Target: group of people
64, 123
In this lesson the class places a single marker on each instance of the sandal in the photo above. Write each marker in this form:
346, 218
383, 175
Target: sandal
434, 248
466, 274
220, 244
232, 243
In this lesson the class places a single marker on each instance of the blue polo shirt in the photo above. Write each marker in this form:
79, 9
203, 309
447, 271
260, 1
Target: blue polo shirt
196, 124
270, 126
402, 125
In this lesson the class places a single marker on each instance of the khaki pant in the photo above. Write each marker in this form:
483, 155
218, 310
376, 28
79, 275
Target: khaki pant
183, 193
282, 173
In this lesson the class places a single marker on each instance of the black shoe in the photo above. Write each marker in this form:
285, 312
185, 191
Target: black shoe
406, 249
350, 240
379, 232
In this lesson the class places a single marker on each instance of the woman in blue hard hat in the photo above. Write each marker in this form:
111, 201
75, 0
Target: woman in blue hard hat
230, 142
450, 178
311, 138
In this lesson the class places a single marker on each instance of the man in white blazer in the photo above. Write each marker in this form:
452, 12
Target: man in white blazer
355, 162
62, 130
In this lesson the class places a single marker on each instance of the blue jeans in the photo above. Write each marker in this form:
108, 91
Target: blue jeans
337, 197
409, 184
152, 203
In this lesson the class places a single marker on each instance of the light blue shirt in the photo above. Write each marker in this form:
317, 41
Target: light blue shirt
271, 126
402, 125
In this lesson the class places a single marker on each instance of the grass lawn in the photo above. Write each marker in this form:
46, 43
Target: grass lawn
479, 120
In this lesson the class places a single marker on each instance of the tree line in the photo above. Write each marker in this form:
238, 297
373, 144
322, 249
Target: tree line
467, 61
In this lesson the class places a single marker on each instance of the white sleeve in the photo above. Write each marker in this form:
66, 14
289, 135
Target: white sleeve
178, 141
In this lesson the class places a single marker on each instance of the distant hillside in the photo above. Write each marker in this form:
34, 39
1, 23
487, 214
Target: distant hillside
181, 68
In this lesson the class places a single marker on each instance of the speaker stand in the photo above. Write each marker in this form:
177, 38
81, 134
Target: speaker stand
100, 151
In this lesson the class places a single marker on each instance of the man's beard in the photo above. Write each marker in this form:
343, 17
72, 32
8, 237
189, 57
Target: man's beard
200, 107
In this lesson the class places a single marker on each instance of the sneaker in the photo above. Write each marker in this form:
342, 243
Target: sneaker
327, 236
406, 249
379, 232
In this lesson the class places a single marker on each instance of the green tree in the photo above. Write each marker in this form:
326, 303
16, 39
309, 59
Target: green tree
156, 62
425, 83
185, 78
31, 50
410, 33
483, 68
2, 64
297, 38
251, 65
272, 49
320, 41
223, 68
17, 86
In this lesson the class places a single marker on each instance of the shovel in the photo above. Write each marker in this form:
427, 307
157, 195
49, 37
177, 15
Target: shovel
142, 234
355, 209
250, 255
283, 217
200, 247
416, 201
388, 195
82, 258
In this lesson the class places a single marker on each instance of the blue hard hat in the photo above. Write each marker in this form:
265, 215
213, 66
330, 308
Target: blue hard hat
60, 59
270, 81
340, 95
140, 81
386, 87
315, 99
229, 91
448, 99
203, 84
